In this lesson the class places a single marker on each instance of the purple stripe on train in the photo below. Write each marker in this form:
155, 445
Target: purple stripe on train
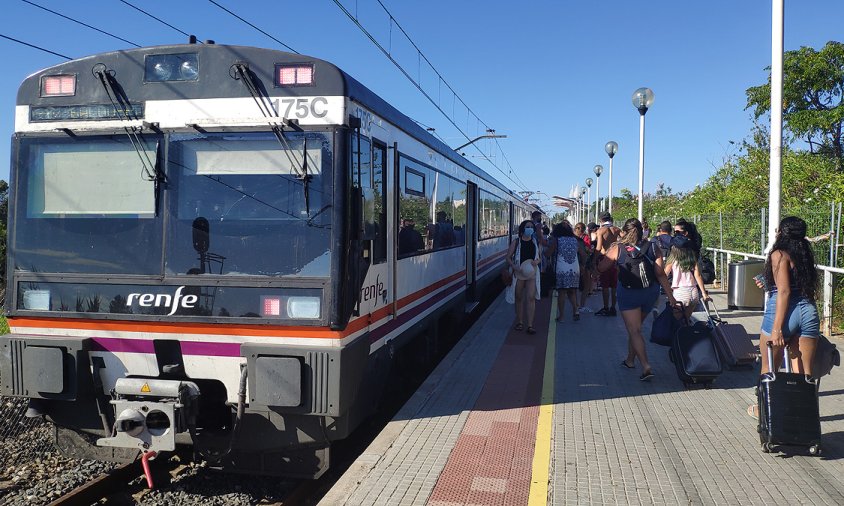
119, 345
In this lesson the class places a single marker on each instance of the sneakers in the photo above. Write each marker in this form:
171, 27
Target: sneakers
607, 311
602, 312
584, 309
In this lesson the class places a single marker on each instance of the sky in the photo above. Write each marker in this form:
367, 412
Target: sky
555, 77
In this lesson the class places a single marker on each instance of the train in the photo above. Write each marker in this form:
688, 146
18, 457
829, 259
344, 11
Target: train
222, 249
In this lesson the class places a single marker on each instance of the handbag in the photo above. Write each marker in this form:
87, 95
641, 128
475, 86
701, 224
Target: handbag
506, 276
664, 327
826, 357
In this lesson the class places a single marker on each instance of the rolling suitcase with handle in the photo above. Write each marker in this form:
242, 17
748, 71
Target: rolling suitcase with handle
789, 413
732, 341
694, 355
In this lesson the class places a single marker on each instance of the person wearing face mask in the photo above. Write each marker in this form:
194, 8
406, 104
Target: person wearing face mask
524, 259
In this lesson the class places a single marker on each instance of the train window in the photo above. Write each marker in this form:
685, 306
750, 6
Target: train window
247, 189
432, 210
494, 216
361, 161
414, 182
85, 204
379, 171
90, 179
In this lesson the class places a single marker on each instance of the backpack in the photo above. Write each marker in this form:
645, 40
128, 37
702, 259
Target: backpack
707, 270
664, 243
636, 269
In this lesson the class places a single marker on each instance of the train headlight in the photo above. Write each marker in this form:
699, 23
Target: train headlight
171, 67
58, 86
303, 307
188, 70
162, 71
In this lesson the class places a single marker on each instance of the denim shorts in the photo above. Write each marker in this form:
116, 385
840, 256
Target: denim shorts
637, 298
801, 317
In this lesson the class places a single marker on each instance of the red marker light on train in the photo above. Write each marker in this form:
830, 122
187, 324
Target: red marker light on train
270, 306
58, 86
294, 75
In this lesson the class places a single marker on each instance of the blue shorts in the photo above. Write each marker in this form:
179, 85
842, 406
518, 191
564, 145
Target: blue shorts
637, 298
801, 317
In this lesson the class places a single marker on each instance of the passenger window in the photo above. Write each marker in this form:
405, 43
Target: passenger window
379, 171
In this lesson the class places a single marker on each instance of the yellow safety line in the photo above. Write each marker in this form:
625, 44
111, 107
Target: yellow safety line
545, 425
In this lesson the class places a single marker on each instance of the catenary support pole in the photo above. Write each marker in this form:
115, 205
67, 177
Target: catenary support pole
775, 175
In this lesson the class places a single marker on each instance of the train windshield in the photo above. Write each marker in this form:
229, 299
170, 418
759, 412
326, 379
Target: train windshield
87, 205
249, 204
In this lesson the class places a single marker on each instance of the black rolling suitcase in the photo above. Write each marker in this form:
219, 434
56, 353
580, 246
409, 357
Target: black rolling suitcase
789, 413
694, 355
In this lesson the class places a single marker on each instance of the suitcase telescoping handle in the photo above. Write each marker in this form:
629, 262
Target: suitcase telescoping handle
717, 317
785, 359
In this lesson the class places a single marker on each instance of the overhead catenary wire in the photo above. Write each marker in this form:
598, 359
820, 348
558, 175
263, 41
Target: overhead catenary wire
418, 86
154, 17
35, 47
255, 27
441, 80
80, 22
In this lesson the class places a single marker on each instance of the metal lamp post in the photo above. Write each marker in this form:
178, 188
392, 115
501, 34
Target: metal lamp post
588, 198
597, 170
611, 148
583, 207
643, 98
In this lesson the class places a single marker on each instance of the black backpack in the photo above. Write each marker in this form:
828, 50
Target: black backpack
636, 269
664, 243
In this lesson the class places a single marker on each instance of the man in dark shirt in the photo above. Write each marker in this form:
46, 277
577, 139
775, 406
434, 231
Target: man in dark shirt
410, 240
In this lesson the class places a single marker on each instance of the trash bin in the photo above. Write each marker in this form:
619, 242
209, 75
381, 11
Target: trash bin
742, 292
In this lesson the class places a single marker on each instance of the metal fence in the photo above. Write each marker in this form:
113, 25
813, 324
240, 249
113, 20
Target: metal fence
746, 235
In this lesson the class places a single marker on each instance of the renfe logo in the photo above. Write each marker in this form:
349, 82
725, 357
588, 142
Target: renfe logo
164, 300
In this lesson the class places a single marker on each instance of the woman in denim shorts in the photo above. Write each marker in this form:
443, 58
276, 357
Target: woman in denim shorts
635, 304
791, 317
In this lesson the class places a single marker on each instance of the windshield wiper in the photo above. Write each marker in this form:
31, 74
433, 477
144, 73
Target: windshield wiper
124, 109
240, 72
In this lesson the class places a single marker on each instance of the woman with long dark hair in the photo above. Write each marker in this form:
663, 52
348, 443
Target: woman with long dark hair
524, 258
687, 283
791, 317
640, 268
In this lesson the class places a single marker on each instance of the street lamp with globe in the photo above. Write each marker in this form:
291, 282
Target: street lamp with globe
643, 98
611, 148
597, 170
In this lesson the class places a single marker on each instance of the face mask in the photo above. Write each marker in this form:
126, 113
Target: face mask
529, 232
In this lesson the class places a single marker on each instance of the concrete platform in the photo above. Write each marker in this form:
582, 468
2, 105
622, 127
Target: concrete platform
553, 418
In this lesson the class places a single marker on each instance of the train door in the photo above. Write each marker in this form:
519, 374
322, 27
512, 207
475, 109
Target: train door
471, 241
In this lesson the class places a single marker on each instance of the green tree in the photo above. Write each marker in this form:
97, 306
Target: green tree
813, 88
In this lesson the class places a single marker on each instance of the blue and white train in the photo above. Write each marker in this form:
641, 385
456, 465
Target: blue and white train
223, 247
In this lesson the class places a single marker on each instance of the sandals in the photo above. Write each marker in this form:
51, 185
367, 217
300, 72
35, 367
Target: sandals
753, 411
625, 364
519, 326
531, 330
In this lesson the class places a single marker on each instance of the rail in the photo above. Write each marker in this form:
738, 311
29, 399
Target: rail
827, 292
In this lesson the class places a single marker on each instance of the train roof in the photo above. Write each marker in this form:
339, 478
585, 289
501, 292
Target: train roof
216, 60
